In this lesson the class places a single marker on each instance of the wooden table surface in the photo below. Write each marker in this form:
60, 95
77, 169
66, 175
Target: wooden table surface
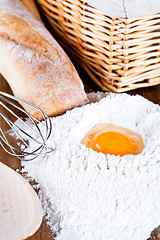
151, 93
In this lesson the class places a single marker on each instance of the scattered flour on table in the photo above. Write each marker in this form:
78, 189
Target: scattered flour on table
92, 196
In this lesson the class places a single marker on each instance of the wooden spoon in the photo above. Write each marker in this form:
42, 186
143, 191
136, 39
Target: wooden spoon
20, 207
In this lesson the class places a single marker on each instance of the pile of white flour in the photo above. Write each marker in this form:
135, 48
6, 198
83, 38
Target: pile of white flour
91, 196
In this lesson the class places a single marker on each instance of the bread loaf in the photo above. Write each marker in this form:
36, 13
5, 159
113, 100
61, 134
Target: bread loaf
33, 63
31, 6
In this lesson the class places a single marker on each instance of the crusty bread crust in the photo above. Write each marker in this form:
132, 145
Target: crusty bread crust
17, 30
31, 6
34, 64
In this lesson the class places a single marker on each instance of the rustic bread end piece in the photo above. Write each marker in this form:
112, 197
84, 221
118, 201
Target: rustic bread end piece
34, 64
31, 6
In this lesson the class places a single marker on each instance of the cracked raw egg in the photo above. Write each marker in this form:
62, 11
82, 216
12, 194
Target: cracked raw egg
108, 138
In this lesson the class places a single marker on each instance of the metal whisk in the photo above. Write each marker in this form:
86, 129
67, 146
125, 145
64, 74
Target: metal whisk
26, 137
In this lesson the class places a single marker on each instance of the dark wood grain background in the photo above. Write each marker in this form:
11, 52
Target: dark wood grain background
151, 93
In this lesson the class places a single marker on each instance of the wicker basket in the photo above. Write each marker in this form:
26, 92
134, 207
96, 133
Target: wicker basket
119, 54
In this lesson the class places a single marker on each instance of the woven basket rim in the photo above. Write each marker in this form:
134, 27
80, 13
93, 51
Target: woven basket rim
120, 18
123, 53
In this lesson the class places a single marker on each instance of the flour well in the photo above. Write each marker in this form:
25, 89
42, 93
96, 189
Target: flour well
91, 196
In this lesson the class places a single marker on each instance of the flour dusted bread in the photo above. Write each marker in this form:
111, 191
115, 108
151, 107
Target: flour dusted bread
31, 6
33, 63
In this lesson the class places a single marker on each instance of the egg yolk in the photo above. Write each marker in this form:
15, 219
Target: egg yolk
108, 138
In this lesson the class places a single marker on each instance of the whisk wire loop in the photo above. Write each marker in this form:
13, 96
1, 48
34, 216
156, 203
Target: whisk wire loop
24, 131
